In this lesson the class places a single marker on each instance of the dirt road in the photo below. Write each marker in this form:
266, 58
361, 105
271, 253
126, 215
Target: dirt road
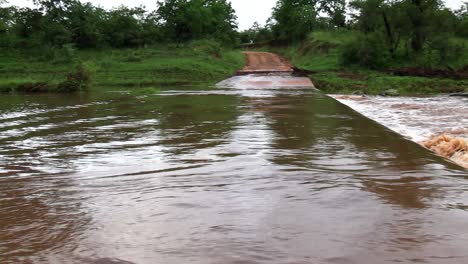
265, 62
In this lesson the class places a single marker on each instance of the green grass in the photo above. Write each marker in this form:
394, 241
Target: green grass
374, 83
199, 63
321, 53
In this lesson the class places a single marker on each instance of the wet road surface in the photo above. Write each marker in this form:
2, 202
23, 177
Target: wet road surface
265, 62
273, 175
234, 174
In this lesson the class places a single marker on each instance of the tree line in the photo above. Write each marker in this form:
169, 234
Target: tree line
57, 23
385, 30
405, 29
294, 20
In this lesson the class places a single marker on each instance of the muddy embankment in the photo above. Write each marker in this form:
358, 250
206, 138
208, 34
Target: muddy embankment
438, 123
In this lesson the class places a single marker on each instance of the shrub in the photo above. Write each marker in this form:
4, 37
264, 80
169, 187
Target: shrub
76, 81
446, 51
368, 51
462, 28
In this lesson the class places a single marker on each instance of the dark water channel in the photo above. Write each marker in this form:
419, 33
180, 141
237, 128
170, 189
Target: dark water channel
273, 175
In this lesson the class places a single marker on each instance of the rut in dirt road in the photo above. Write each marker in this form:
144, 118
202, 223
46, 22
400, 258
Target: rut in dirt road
265, 62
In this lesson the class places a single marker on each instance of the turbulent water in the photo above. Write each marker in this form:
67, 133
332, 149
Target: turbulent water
417, 118
439, 122
276, 173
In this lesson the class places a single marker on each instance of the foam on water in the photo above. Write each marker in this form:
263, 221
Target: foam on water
417, 118
262, 81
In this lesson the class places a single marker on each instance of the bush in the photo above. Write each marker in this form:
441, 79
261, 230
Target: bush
367, 51
7, 40
76, 81
446, 51
462, 28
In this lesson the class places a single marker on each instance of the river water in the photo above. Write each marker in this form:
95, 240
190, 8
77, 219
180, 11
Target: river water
417, 118
236, 174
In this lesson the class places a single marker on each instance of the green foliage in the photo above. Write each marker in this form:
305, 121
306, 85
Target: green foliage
462, 17
86, 23
294, 20
76, 81
64, 54
322, 53
443, 52
197, 19
336, 11
210, 47
417, 30
368, 51
374, 83
56, 23
195, 63
256, 34
122, 28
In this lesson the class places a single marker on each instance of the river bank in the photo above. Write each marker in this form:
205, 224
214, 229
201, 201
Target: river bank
320, 58
438, 123
196, 63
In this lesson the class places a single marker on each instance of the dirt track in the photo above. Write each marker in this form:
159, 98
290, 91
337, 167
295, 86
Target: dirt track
265, 62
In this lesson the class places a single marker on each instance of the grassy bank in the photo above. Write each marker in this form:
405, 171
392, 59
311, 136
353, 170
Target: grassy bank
321, 54
197, 63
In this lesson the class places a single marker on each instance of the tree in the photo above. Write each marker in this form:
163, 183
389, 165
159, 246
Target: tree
368, 14
256, 34
185, 20
293, 20
85, 24
5, 20
462, 23
424, 27
121, 28
335, 10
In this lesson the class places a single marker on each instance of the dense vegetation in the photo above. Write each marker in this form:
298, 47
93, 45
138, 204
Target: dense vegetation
321, 55
64, 45
194, 63
386, 32
373, 39
59, 23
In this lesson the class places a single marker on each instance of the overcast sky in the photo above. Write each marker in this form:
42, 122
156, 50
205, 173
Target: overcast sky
248, 11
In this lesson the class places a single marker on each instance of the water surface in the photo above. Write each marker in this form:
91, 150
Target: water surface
227, 175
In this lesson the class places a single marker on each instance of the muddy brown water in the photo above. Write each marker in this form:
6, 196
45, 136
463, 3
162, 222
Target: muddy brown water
226, 175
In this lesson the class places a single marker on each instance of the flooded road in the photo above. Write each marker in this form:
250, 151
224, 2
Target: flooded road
437, 122
235, 174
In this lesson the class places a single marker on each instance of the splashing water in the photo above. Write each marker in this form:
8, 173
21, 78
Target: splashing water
440, 123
